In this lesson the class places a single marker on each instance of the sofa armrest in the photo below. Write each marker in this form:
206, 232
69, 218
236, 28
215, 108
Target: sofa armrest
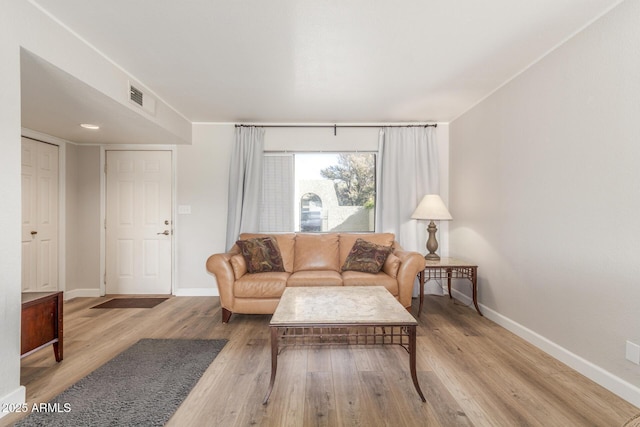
220, 266
411, 264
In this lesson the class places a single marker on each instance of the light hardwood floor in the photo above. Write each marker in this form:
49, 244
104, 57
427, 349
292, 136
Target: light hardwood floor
472, 371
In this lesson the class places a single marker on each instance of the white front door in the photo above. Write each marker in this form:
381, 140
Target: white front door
39, 216
139, 231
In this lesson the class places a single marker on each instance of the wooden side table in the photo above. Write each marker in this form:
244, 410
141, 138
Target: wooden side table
41, 322
449, 268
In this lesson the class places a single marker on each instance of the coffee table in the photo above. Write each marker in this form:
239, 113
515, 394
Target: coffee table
352, 315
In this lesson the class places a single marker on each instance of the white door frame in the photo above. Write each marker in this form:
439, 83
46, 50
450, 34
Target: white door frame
103, 204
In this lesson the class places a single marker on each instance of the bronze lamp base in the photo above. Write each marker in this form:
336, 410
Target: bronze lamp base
432, 243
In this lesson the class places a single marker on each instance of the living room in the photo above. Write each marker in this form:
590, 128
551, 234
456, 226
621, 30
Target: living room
527, 173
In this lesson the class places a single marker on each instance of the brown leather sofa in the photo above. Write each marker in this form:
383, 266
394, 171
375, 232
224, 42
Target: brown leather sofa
309, 260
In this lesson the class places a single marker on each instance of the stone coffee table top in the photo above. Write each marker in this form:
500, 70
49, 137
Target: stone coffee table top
328, 305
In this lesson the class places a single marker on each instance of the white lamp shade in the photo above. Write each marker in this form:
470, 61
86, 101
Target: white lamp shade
431, 207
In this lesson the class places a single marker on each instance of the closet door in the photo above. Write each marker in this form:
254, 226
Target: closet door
39, 216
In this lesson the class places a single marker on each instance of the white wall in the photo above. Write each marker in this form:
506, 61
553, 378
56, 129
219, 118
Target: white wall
545, 196
202, 184
83, 221
203, 173
71, 217
89, 226
315, 139
10, 390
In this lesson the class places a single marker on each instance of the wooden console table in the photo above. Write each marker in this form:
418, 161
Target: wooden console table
449, 268
41, 322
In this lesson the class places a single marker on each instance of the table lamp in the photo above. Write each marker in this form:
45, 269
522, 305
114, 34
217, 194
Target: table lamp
432, 207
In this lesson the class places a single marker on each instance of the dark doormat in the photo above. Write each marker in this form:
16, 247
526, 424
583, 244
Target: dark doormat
131, 303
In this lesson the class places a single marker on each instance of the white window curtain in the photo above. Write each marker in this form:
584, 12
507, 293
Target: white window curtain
407, 170
245, 182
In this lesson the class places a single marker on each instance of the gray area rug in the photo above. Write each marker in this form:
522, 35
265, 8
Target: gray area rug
142, 386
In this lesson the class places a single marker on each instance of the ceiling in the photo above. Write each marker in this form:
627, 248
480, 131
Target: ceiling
303, 61
56, 103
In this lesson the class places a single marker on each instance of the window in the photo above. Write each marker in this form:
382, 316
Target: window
310, 212
318, 192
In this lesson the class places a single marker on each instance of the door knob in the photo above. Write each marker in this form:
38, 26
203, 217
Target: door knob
165, 232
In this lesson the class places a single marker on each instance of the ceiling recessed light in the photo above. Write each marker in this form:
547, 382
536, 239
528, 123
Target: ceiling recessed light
90, 126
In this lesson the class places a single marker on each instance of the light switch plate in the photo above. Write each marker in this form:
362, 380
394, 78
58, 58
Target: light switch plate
633, 352
184, 209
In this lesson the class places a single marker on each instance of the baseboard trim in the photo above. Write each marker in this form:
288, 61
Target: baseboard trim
81, 293
606, 379
196, 292
184, 292
14, 399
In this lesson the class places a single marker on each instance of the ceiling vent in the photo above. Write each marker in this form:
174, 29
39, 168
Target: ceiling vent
137, 97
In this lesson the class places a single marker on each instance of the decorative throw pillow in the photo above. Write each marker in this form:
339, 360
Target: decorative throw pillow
261, 254
366, 257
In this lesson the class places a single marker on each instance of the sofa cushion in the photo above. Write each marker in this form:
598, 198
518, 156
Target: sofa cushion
315, 278
366, 257
316, 252
392, 265
356, 278
286, 242
348, 239
261, 254
261, 285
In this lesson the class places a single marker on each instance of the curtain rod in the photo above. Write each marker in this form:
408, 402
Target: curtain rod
435, 125
336, 126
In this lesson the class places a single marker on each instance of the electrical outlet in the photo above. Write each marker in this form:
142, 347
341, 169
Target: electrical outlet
633, 352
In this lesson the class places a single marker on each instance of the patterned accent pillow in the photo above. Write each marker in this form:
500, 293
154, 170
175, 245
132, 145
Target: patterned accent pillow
366, 257
261, 254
